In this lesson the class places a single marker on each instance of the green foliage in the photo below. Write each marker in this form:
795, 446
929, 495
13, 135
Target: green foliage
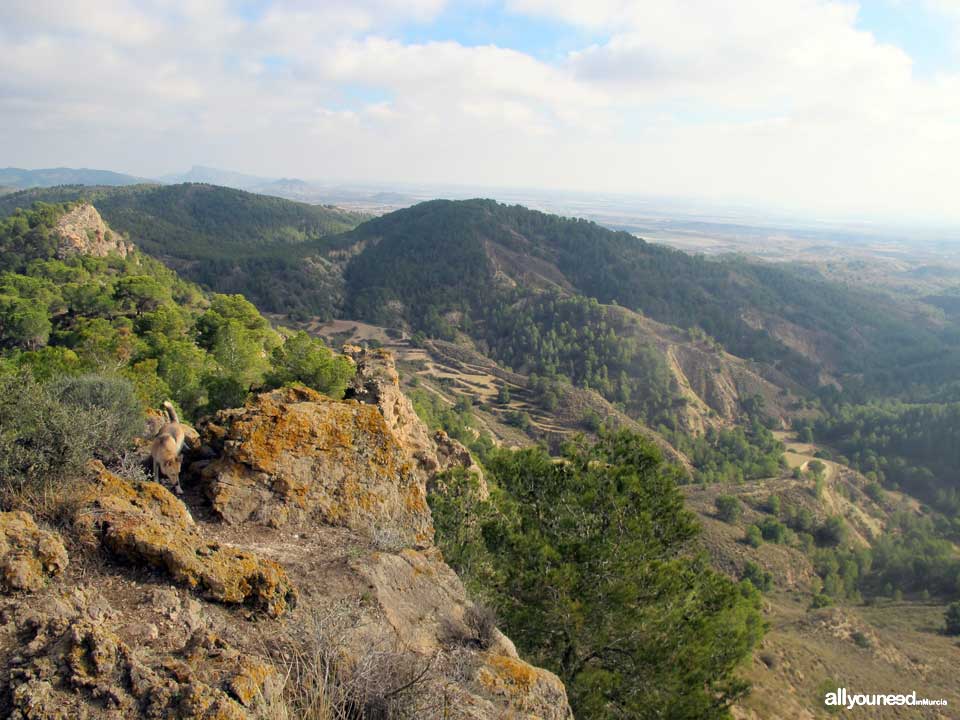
228, 240
773, 530
732, 455
457, 421
48, 433
757, 576
842, 571
773, 505
820, 601
952, 619
908, 446
519, 419
914, 556
306, 360
587, 562
728, 508
134, 318
832, 532
753, 536
553, 335
874, 491
436, 257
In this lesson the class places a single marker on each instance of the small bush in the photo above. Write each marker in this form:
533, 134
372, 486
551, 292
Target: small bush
108, 406
952, 619
757, 576
48, 433
376, 684
874, 491
820, 601
480, 627
833, 532
773, 505
728, 508
773, 530
753, 537
861, 640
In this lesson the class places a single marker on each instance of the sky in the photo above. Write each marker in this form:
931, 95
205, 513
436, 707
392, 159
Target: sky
816, 106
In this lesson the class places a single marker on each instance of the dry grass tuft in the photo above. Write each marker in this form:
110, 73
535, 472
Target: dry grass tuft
327, 680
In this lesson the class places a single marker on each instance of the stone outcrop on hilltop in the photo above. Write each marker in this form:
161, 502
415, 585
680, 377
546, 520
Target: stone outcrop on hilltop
293, 454
166, 611
363, 463
81, 231
376, 383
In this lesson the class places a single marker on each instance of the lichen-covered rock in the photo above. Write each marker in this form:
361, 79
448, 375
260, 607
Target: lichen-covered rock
422, 601
81, 231
72, 664
144, 523
377, 383
28, 555
530, 692
294, 451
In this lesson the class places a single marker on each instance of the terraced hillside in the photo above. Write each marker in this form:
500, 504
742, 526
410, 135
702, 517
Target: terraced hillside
451, 373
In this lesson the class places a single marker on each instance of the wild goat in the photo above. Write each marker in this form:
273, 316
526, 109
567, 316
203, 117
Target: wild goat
166, 448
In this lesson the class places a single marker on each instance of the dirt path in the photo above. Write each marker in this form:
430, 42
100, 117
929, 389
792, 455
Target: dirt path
800, 454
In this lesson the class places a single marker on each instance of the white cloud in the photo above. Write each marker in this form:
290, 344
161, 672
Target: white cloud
785, 102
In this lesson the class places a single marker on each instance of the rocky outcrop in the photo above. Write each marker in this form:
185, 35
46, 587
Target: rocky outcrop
142, 522
424, 606
81, 231
377, 383
73, 663
329, 495
28, 555
293, 453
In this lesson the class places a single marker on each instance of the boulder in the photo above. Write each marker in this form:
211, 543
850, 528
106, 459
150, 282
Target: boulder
293, 452
423, 604
376, 383
28, 555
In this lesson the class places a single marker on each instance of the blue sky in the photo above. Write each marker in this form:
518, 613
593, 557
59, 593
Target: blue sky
817, 106
917, 28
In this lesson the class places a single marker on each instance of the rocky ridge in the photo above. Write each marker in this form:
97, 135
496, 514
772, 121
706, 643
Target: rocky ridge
81, 231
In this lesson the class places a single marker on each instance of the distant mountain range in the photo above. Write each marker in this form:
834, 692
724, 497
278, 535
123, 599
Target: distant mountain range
20, 179
360, 198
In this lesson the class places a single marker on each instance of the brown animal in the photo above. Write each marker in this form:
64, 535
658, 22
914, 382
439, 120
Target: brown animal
166, 448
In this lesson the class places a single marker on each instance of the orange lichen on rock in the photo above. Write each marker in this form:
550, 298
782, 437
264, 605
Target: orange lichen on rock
294, 451
144, 522
74, 664
528, 690
28, 555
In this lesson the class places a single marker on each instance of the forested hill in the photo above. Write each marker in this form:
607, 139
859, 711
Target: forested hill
228, 240
442, 256
443, 267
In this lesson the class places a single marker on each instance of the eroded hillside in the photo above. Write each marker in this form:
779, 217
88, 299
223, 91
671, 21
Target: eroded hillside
885, 645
